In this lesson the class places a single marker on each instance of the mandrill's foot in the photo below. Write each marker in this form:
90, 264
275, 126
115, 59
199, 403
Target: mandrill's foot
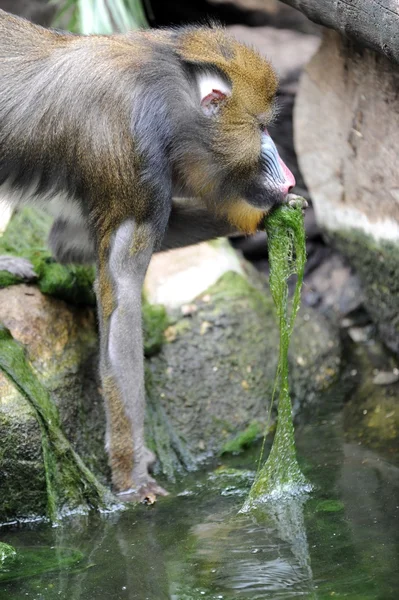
143, 487
149, 458
296, 201
146, 493
20, 267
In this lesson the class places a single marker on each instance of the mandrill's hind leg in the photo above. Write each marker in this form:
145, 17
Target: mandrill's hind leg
122, 264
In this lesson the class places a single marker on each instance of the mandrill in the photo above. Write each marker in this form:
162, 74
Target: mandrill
136, 143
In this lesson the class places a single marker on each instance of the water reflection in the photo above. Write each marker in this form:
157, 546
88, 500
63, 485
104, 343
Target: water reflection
287, 516
267, 549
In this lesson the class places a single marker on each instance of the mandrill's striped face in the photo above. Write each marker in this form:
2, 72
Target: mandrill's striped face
237, 168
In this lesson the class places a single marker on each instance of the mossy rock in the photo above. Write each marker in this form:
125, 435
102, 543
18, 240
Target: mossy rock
377, 264
52, 348
371, 416
26, 236
22, 475
214, 374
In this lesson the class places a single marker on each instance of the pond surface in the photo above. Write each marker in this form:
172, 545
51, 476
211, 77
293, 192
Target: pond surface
341, 541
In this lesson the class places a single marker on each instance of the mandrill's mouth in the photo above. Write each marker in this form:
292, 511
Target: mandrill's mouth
245, 217
292, 200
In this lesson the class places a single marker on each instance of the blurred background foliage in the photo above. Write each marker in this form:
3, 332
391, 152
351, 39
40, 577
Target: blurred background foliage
101, 16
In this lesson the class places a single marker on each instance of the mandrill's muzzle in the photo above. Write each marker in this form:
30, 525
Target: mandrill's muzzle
275, 170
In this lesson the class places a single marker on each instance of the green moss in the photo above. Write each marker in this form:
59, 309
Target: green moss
7, 279
69, 484
72, 283
377, 264
155, 321
231, 286
330, 506
287, 256
26, 236
243, 439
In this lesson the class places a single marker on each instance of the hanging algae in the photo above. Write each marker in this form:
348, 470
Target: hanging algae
287, 256
70, 485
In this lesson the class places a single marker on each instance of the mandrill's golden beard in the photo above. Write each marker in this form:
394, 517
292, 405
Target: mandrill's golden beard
247, 218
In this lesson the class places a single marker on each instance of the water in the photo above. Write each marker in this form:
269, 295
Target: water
340, 541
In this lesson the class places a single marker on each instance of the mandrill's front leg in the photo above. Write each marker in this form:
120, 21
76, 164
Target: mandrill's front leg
122, 263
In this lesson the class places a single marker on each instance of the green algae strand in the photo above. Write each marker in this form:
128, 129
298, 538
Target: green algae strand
281, 474
7, 555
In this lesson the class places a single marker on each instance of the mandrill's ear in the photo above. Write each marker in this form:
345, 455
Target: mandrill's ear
214, 91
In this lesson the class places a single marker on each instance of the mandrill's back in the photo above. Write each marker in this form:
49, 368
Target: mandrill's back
19, 37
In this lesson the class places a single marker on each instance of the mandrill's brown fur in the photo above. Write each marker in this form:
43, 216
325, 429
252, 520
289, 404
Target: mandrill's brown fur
135, 143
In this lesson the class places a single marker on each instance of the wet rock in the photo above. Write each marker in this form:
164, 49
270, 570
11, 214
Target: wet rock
360, 334
386, 377
209, 369
22, 476
371, 415
336, 287
354, 188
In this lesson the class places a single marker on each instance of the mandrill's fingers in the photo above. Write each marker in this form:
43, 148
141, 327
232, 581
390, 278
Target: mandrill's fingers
20, 267
296, 201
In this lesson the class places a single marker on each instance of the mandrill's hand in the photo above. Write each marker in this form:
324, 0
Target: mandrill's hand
20, 267
296, 201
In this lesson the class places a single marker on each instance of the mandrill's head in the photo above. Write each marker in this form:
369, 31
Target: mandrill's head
226, 154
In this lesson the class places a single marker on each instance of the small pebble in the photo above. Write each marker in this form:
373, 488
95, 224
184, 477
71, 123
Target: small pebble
386, 377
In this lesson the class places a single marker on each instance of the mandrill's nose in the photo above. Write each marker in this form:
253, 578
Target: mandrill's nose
289, 180
276, 171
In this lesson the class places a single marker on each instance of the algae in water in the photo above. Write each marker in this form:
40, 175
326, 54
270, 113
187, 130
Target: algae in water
7, 555
36, 562
281, 473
